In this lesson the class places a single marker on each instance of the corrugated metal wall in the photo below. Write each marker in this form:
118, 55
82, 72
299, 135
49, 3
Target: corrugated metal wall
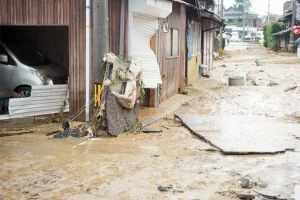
118, 27
174, 68
144, 27
55, 12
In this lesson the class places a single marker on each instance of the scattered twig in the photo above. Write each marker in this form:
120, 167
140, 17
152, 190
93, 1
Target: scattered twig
291, 88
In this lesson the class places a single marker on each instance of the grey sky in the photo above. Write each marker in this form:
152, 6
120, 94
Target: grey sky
261, 6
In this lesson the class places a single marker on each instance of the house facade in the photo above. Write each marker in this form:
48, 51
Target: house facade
286, 37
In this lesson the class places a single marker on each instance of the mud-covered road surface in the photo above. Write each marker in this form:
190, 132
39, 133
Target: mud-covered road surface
133, 166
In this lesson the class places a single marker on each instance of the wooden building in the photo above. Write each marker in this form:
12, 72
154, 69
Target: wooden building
71, 33
172, 48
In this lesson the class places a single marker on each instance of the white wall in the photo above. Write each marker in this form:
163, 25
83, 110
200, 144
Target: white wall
156, 8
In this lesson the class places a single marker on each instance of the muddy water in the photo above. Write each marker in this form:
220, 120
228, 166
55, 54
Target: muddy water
133, 166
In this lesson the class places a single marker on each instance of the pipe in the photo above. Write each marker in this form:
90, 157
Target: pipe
87, 61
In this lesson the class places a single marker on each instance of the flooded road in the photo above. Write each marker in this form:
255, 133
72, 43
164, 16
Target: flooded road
134, 166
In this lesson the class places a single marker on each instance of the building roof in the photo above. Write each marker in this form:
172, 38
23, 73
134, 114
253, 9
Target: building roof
203, 12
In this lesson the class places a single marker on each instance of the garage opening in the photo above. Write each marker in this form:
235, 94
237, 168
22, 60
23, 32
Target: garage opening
32, 56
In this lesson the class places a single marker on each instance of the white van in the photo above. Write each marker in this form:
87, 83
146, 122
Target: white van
235, 37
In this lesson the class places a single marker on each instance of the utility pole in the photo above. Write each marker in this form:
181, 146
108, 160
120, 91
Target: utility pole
269, 12
294, 9
221, 29
244, 6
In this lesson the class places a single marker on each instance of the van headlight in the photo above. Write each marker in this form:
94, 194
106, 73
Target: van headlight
45, 79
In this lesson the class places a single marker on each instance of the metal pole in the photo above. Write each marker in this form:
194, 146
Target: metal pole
221, 29
244, 5
269, 12
294, 8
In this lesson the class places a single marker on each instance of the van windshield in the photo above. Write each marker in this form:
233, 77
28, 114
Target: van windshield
25, 53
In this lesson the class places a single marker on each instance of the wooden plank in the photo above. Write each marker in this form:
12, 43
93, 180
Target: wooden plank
3, 12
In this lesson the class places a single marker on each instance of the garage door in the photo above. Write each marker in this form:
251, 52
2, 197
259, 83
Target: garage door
144, 27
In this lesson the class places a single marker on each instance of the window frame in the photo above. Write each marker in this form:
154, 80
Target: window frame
171, 50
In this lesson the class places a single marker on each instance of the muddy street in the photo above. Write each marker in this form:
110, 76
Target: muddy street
134, 166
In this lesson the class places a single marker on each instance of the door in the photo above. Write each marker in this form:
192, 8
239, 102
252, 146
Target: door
6, 71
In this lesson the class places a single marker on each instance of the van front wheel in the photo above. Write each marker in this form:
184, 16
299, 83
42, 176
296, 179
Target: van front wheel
24, 91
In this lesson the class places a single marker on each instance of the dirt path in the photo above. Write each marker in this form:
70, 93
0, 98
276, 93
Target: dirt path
134, 166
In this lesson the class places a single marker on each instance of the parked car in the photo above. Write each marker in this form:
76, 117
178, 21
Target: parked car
235, 37
22, 66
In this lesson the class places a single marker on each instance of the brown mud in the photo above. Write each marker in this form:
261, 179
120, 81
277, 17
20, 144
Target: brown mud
133, 166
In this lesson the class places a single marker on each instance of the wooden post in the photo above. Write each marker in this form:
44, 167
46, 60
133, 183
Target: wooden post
153, 98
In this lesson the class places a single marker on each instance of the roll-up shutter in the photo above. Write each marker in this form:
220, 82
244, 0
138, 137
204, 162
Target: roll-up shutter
144, 27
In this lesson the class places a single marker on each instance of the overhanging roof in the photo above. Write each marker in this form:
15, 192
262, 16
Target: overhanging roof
203, 12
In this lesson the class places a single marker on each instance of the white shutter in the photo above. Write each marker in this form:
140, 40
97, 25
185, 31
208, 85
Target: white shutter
144, 27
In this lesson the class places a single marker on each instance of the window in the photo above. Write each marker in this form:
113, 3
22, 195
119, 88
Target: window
172, 48
196, 38
4, 52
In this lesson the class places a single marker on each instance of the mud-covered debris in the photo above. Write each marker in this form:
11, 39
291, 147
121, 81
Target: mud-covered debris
244, 182
247, 196
177, 191
165, 188
254, 83
273, 83
261, 70
223, 65
148, 130
80, 131
291, 88
266, 193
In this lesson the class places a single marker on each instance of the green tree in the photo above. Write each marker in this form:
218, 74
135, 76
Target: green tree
238, 23
239, 4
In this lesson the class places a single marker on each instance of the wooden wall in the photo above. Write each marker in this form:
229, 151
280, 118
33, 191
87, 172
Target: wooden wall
118, 27
174, 68
56, 12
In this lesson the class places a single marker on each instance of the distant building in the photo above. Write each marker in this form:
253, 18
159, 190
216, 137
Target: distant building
286, 36
230, 15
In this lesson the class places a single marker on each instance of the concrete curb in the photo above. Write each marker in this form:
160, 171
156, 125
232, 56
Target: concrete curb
160, 117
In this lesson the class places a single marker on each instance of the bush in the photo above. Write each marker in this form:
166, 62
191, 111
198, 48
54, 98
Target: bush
269, 30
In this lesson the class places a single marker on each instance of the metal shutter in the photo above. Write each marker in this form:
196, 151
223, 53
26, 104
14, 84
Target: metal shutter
144, 27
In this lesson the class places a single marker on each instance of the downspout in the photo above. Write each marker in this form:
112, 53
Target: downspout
87, 60
130, 27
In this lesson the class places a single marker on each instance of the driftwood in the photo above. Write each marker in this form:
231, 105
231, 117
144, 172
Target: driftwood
14, 134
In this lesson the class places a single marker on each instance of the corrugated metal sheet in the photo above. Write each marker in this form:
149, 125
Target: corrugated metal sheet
144, 27
44, 100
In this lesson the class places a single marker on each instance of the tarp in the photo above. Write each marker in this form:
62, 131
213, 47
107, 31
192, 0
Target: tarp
283, 32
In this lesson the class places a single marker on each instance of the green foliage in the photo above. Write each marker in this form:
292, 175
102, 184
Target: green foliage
142, 92
238, 23
269, 30
239, 4
223, 43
